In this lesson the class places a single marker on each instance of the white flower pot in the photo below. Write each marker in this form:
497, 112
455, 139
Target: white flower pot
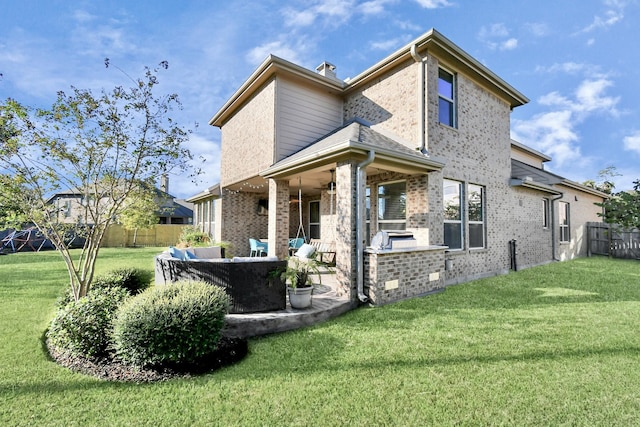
300, 297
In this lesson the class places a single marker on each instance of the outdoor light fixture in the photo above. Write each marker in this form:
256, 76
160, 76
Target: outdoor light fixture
331, 187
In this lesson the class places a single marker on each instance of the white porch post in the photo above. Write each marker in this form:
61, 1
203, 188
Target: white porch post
278, 218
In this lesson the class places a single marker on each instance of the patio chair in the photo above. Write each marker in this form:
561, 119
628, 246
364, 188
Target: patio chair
258, 248
294, 244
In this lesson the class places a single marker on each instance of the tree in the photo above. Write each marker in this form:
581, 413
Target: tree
605, 180
623, 208
103, 146
141, 212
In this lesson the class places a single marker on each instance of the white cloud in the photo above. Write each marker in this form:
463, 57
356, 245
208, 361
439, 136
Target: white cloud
434, 4
538, 29
278, 48
494, 30
632, 142
330, 12
496, 36
510, 44
555, 132
610, 17
390, 44
374, 7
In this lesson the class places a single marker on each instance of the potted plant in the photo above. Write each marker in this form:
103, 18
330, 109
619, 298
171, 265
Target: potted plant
297, 275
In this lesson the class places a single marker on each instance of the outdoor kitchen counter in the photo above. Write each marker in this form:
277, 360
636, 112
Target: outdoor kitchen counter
392, 275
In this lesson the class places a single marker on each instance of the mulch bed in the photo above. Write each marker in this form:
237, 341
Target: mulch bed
229, 351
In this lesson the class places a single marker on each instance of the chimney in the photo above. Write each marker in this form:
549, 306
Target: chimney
164, 183
326, 69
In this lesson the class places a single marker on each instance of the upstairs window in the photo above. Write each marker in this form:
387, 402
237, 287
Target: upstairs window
446, 98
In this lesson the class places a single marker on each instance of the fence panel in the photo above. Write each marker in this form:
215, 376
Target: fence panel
159, 235
605, 239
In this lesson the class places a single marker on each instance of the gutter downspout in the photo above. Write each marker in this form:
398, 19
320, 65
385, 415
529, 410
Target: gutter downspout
554, 246
421, 99
360, 223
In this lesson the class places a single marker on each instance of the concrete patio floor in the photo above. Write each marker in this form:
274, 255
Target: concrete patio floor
326, 305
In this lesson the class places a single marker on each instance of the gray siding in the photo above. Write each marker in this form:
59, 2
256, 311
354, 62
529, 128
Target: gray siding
303, 115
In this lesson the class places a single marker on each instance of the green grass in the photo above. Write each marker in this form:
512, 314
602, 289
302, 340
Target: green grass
552, 345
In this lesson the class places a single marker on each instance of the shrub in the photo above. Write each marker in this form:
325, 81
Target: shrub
192, 236
133, 280
83, 327
176, 323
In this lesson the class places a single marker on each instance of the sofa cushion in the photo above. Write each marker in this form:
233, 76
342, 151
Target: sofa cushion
190, 256
254, 259
210, 252
305, 251
176, 253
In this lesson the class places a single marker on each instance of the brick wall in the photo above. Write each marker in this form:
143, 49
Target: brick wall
248, 138
241, 221
393, 276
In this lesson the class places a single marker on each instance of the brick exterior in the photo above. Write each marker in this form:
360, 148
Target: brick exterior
397, 275
476, 151
248, 138
241, 220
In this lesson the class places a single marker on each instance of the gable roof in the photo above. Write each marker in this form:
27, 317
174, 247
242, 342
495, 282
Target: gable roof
354, 139
431, 42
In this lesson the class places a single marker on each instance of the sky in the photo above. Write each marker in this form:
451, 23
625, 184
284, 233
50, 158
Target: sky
576, 60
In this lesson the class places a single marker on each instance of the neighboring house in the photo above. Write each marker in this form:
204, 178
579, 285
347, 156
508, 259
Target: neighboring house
419, 142
68, 207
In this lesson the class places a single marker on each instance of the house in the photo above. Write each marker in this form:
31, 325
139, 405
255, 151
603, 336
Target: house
68, 206
419, 143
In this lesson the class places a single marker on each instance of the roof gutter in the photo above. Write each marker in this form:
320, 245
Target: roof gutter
361, 179
421, 98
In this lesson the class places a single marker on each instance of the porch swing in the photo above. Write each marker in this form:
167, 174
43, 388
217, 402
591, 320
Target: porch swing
294, 244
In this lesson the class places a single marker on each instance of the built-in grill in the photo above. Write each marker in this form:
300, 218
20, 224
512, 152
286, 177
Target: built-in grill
393, 240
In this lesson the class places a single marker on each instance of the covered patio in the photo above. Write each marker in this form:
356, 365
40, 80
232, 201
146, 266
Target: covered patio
341, 174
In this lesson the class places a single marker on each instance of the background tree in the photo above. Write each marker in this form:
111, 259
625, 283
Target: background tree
623, 208
604, 181
103, 146
141, 212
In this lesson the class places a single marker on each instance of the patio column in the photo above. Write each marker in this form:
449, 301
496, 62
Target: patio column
278, 218
346, 221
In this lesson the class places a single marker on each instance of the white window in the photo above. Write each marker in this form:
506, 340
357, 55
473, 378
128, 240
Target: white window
476, 216
367, 219
545, 213
452, 198
564, 220
314, 219
446, 98
392, 206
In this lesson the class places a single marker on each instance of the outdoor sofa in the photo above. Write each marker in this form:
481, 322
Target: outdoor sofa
249, 281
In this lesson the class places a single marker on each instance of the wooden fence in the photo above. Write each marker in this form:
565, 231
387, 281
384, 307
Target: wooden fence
159, 235
607, 239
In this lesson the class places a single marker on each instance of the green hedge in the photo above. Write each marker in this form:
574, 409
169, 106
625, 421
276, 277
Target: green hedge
83, 327
175, 323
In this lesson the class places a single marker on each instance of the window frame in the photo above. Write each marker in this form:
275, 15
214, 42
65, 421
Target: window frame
382, 222
545, 213
453, 122
315, 224
482, 222
564, 222
459, 221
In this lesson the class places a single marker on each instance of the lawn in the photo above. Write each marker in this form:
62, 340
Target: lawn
552, 345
